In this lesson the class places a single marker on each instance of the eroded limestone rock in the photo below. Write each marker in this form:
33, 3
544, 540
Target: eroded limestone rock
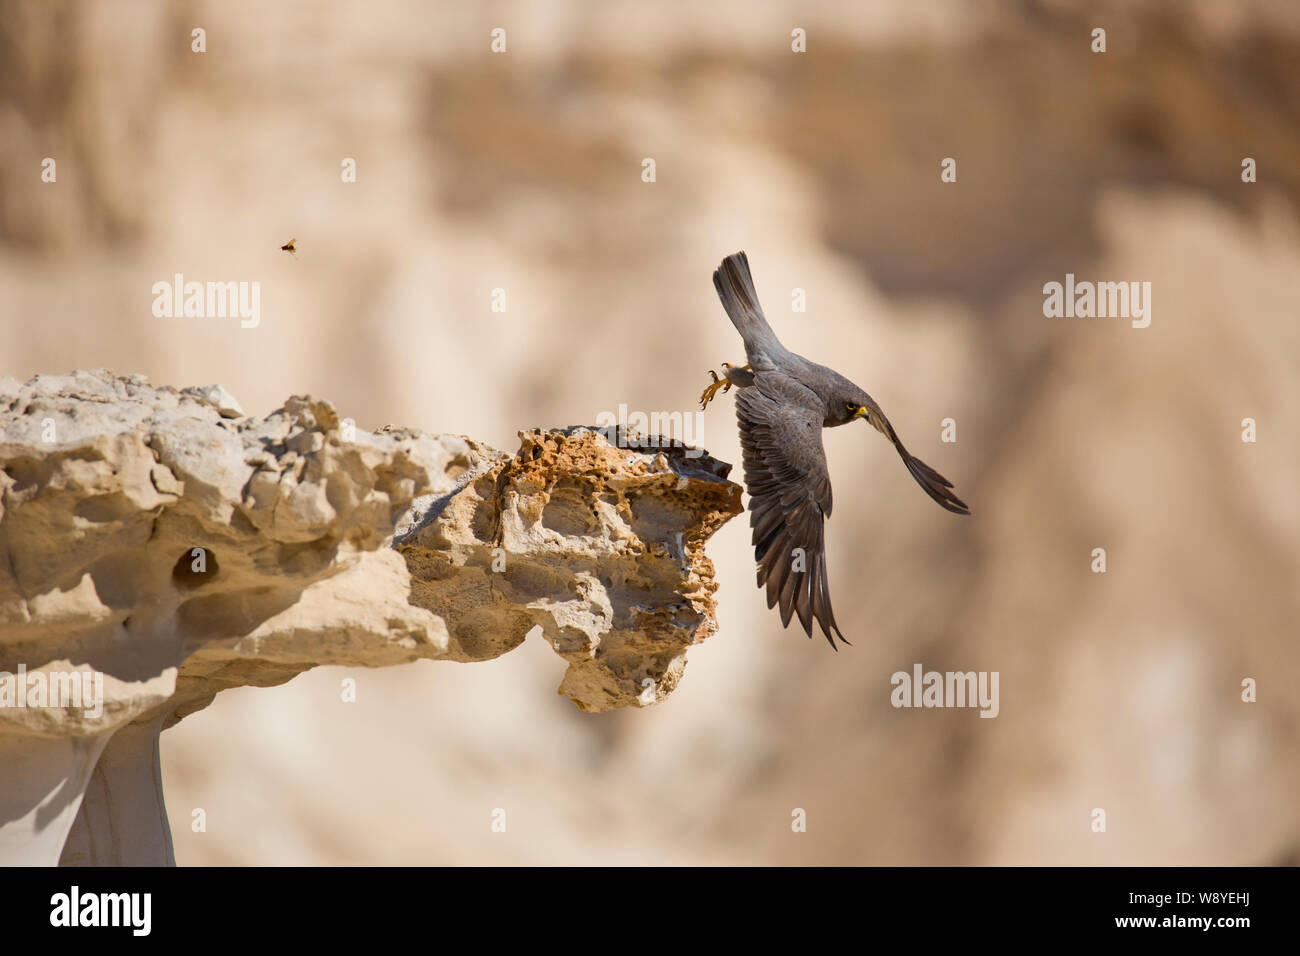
171, 547
600, 546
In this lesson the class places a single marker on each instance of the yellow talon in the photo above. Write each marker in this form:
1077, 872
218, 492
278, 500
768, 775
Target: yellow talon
719, 383
712, 389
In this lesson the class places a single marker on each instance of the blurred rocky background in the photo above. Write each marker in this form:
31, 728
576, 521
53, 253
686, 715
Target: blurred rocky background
521, 171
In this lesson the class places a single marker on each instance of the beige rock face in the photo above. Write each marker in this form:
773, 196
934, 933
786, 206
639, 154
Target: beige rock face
157, 547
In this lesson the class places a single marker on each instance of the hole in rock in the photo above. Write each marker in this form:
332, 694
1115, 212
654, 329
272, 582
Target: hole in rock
194, 567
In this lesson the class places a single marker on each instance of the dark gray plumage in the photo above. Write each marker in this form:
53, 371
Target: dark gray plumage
782, 404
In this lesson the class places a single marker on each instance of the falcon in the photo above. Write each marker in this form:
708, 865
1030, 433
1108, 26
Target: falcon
783, 401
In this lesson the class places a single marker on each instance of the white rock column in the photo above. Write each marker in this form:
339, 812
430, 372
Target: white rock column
44, 782
123, 819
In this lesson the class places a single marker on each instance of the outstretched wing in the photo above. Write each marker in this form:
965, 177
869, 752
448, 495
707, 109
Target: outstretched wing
789, 497
934, 484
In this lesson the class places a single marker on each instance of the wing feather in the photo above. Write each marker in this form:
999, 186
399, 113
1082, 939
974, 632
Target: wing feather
789, 498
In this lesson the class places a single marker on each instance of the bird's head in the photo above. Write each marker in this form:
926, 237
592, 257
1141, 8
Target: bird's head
848, 404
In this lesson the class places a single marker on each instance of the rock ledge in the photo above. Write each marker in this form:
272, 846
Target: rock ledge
157, 547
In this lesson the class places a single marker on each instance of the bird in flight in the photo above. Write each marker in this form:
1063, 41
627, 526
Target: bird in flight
783, 401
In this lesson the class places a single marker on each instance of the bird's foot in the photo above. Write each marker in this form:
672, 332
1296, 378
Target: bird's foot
712, 388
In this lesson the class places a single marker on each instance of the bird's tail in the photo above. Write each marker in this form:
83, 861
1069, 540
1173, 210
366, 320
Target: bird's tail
735, 288
934, 484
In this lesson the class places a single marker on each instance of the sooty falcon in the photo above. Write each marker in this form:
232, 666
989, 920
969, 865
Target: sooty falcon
783, 401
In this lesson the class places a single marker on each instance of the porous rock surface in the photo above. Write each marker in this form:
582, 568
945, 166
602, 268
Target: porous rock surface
164, 541
600, 545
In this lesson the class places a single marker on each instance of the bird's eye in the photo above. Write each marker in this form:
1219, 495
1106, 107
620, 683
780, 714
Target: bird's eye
850, 407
